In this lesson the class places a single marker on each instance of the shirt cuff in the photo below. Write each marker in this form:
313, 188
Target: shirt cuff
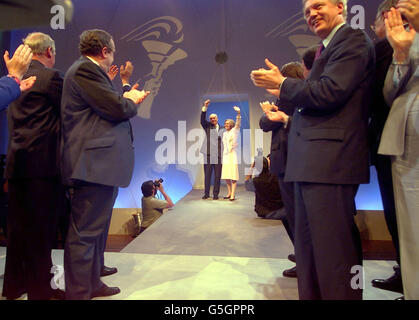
280, 86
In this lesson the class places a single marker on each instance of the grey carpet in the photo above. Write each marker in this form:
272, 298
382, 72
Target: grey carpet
214, 228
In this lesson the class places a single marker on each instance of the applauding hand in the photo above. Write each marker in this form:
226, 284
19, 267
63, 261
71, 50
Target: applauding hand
19, 63
410, 9
268, 79
400, 39
113, 71
135, 95
126, 72
27, 83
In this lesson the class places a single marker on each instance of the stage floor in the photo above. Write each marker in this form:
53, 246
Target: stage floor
211, 250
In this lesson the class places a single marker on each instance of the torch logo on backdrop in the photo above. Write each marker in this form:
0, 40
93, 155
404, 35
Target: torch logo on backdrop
161, 38
296, 29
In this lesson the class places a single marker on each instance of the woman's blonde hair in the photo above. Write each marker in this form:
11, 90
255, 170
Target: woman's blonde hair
231, 121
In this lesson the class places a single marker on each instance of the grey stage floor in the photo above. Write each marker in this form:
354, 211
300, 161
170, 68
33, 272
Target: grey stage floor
210, 250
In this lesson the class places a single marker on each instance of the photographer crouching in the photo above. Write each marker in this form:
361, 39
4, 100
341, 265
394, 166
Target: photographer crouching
152, 208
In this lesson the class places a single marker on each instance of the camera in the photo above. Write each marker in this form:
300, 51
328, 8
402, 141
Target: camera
156, 183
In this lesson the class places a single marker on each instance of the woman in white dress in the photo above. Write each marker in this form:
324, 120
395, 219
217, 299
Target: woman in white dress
230, 169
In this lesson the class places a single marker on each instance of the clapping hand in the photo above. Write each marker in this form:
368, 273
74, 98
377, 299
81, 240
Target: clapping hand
273, 113
126, 72
19, 63
268, 79
27, 83
113, 71
267, 106
410, 9
135, 95
400, 39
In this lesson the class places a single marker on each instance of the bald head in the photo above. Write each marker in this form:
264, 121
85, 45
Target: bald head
213, 119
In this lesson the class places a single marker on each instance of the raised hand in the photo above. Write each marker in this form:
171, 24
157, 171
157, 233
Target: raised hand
19, 63
399, 38
410, 9
237, 109
113, 71
206, 104
268, 79
27, 83
126, 72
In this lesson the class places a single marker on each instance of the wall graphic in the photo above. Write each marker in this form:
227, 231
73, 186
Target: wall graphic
160, 37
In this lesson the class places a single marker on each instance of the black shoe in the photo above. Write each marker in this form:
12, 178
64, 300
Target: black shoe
291, 257
232, 199
227, 197
290, 273
215, 198
105, 292
394, 283
107, 271
205, 197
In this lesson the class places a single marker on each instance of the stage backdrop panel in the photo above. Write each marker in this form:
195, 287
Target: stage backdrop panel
173, 46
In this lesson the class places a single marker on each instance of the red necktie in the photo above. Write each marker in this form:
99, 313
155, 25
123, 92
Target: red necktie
319, 52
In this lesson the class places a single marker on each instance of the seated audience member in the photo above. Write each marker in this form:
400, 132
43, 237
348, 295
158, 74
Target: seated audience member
268, 201
152, 208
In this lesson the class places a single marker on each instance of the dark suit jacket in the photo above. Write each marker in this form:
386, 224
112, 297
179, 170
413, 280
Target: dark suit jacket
34, 126
97, 136
279, 141
213, 145
328, 137
379, 108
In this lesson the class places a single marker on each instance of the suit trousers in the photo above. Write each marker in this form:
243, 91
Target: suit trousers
385, 182
91, 208
405, 170
208, 169
105, 238
327, 241
287, 193
32, 225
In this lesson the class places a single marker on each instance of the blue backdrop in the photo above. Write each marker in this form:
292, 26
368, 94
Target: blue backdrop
173, 44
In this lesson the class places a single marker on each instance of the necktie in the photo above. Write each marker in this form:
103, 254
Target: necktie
319, 52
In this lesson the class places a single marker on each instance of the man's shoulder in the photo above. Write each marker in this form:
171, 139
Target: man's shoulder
36, 68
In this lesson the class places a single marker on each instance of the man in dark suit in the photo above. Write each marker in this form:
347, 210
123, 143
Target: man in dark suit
212, 149
97, 158
279, 150
33, 173
379, 113
328, 150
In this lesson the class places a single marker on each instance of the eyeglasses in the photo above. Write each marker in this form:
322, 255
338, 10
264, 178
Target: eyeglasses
405, 25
